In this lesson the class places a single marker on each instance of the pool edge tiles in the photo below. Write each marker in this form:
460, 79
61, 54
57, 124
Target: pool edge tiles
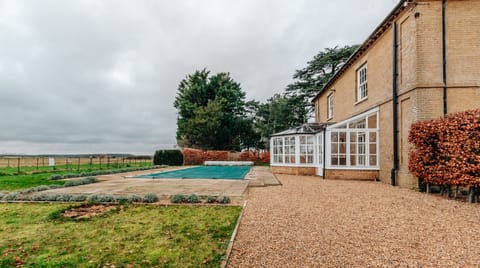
202, 172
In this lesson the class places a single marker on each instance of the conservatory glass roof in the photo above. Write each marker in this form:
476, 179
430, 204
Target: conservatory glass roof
308, 128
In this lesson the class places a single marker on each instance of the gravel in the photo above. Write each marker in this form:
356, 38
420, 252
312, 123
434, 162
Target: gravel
310, 222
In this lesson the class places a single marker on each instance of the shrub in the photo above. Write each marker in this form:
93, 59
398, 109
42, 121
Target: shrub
78, 198
39, 197
135, 198
64, 198
223, 199
168, 157
93, 198
122, 199
106, 198
447, 150
178, 198
55, 177
150, 198
193, 198
11, 196
41, 188
55, 186
83, 181
51, 197
2, 194
70, 175
211, 199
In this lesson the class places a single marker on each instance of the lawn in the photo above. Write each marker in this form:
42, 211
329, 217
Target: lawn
33, 235
31, 177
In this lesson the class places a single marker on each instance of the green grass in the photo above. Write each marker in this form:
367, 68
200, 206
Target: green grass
141, 236
12, 182
70, 168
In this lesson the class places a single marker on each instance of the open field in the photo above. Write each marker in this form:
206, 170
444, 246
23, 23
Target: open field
11, 181
33, 164
34, 235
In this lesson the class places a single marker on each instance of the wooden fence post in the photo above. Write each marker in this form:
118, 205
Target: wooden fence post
18, 165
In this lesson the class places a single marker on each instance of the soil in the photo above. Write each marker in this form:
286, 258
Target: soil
89, 211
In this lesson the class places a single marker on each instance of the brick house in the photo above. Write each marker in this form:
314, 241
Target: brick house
420, 63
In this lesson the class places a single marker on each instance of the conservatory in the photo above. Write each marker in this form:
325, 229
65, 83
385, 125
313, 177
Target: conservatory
329, 149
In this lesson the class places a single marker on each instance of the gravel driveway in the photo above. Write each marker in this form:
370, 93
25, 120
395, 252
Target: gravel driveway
309, 222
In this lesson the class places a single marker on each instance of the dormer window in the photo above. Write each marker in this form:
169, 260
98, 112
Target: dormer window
362, 83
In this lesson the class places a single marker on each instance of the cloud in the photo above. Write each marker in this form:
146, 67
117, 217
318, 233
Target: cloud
86, 76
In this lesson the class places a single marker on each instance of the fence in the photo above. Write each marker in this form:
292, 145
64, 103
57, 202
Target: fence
37, 163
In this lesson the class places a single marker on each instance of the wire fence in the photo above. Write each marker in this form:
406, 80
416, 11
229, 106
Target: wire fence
71, 163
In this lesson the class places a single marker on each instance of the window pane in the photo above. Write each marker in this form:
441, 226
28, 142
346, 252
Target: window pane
334, 148
342, 148
353, 160
353, 148
373, 148
373, 137
373, 160
334, 136
334, 160
372, 121
353, 136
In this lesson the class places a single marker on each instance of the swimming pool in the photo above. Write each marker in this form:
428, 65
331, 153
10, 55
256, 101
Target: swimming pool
203, 172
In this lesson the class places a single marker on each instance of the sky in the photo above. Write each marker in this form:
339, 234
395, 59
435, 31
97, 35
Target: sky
100, 76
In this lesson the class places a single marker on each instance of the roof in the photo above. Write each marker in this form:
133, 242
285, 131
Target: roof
402, 5
308, 128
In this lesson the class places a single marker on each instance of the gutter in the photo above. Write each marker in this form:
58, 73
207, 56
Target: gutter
393, 172
444, 56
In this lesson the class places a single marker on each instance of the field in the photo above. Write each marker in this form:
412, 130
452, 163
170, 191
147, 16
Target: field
36, 235
30, 176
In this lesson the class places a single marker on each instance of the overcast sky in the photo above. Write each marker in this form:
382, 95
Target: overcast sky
98, 76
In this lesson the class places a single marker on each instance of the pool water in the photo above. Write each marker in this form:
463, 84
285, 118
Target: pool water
203, 172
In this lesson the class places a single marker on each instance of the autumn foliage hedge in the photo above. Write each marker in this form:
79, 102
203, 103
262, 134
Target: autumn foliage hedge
197, 157
447, 150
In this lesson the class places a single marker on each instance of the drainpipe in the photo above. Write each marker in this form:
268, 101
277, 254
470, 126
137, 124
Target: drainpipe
444, 56
324, 150
393, 172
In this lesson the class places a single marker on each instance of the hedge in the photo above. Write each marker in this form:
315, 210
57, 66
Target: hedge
447, 150
168, 157
198, 157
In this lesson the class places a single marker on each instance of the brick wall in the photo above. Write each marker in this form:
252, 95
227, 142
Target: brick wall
369, 175
303, 171
420, 77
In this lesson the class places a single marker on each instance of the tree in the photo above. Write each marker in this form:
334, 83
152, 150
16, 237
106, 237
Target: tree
211, 113
311, 79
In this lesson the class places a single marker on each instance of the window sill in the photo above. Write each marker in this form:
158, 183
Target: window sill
329, 119
360, 101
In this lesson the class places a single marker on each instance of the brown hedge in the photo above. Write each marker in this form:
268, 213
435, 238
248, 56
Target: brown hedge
197, 157
447, 150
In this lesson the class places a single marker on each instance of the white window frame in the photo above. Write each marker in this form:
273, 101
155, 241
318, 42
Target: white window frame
362, 83
303, 150
345, 128
330, 106
277, 151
